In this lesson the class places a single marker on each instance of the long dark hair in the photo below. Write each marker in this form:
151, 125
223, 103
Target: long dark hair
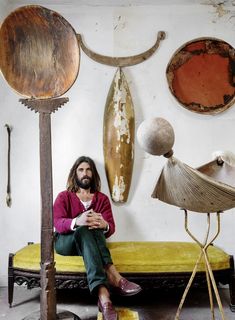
72, 178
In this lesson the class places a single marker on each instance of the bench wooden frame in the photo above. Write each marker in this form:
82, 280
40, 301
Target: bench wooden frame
148, 281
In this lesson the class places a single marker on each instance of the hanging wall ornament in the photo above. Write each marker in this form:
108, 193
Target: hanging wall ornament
39, 52
118, 138
201, 75
122, 61
119, 121
8, 197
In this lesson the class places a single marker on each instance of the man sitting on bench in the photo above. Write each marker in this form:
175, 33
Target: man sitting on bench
83, 220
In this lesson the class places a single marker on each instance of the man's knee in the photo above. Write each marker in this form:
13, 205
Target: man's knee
83, 233
65, 245
81, 230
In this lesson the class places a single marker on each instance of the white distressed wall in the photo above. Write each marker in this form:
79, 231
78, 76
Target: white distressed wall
77, 127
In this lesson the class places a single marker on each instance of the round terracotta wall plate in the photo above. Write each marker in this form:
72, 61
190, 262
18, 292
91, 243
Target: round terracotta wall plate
201, 75
39, 52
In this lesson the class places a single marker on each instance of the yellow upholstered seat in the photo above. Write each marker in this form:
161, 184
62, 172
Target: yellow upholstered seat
133, 257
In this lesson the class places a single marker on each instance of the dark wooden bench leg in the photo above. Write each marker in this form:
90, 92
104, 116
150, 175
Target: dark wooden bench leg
232, 285
10, 279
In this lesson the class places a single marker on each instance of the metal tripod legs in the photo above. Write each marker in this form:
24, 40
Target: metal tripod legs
211, 284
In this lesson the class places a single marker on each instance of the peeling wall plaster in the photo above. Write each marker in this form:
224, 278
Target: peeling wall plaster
222, 10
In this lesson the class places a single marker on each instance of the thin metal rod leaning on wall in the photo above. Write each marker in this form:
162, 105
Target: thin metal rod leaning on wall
8, 196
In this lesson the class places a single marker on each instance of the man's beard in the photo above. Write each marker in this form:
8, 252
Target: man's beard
84, 183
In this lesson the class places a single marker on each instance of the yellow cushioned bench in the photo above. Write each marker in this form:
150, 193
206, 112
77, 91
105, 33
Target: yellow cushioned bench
151, 264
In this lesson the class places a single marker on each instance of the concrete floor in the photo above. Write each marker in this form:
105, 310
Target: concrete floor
150, 306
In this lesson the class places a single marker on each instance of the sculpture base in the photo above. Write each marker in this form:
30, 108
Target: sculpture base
61, 315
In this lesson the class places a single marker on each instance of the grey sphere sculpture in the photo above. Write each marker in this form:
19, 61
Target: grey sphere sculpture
156, 136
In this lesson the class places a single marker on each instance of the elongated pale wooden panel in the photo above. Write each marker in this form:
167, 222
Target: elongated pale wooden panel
118, 138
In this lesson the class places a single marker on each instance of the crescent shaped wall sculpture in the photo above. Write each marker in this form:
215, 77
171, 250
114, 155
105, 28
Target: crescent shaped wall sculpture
118, 138
122, 61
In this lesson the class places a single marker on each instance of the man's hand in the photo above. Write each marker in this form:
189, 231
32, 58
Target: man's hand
91, 219
95, 220
81, 220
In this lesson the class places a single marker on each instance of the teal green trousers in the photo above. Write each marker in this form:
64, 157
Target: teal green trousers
91, 245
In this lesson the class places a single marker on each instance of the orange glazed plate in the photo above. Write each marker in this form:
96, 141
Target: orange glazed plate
201, 75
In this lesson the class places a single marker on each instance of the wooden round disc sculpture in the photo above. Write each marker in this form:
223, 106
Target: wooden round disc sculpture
39, 52
201, 190
201, 75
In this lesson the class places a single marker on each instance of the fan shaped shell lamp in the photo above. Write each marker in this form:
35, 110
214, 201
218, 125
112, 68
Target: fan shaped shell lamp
207, 189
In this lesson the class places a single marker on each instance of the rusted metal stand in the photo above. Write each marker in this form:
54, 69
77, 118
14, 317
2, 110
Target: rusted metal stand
47, 296
211, 284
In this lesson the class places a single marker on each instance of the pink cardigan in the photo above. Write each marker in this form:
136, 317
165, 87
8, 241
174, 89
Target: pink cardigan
67, 206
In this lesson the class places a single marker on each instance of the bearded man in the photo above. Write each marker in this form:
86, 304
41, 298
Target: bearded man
83, 219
